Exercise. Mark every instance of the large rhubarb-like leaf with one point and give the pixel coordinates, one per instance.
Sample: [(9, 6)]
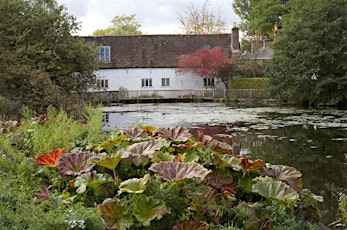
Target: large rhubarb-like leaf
[(106, 161), (43, 194), (179, 134), (190, 224), (92, 180), (135, 133), (50, 159), (115, 215), (134, 185), (147, 209), (221, 181), (177, 171), (229, 161), (140, 153), (286, 174), (270, 188), (74, 164)]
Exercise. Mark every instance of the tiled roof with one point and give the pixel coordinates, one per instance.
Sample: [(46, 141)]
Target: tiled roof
[(157, 51)]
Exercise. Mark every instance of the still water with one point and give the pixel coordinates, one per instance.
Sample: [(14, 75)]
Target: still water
[(312, 141)]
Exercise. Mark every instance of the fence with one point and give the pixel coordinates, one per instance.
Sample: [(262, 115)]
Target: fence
[(232, 95)]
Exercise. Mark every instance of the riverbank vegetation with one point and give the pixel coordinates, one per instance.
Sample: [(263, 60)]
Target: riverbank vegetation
[(60, 173)]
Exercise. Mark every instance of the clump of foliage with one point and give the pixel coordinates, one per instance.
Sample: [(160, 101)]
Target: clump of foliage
[(145, 178), (309, 67), (250, 83), (42, 63)]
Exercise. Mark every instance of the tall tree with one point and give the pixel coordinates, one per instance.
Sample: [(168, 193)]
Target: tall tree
[(121, 25), (41, 62), (260, 16), (207, 63), (202, 20), (309, 65)]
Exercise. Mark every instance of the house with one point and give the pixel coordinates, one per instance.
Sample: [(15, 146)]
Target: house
[(150, 62)]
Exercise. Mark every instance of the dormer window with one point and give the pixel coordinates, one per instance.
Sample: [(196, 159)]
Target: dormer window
[(104, 54)]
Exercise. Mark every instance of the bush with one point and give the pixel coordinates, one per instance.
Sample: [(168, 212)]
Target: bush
[(250, 83)]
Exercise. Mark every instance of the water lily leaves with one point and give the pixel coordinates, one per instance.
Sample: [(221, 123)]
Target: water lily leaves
[(74, 164), (92, 180), (115, 215), (140, 153), (274, 189), (147, 209), (177, 171), (103, 160), (179, 134), (287, 174), (134, 185), (190, 224)]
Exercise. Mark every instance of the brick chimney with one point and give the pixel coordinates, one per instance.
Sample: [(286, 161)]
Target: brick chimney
[(235, 39)]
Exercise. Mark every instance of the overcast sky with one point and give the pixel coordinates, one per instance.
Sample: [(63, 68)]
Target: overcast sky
[(155, 16)]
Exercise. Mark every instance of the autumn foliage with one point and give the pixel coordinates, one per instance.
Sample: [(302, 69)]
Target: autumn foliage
[(204, 62)]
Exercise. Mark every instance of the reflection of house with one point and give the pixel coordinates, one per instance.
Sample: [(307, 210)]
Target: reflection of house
[(149, 62)]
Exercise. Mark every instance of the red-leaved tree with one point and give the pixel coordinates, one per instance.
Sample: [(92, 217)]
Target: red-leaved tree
[(205, 63)]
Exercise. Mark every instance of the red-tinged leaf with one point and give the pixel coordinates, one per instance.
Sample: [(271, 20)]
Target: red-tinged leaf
[(140, 153), (287, 174), (177, 171), (43, 194), (50, 159), (248, 164), (179, 134), (74, 164), (190, 224), (135, 133)]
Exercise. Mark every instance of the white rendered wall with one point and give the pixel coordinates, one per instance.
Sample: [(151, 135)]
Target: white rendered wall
[(131, 79)]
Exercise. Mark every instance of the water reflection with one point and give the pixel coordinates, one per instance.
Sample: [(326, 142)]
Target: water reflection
[(312, 141)]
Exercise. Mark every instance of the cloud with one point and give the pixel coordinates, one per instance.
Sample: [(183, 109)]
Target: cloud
[(155, 16)]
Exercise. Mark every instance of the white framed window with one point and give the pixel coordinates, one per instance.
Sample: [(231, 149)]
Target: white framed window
[(209, 82), (102, 83), (146, 82), (104, 54), (106, 117), (165, 82)]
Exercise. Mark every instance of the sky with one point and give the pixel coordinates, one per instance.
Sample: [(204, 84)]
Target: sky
[(155, 16)]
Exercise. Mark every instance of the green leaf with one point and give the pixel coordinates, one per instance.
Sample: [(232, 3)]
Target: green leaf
[(270, 188), (92, 180), (287, 174), (134, 185), (103, 160), (115, 215), (177, 171), (147, 209), (229, 161)]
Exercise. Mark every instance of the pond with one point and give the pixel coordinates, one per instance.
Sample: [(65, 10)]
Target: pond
[(312, 141)]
